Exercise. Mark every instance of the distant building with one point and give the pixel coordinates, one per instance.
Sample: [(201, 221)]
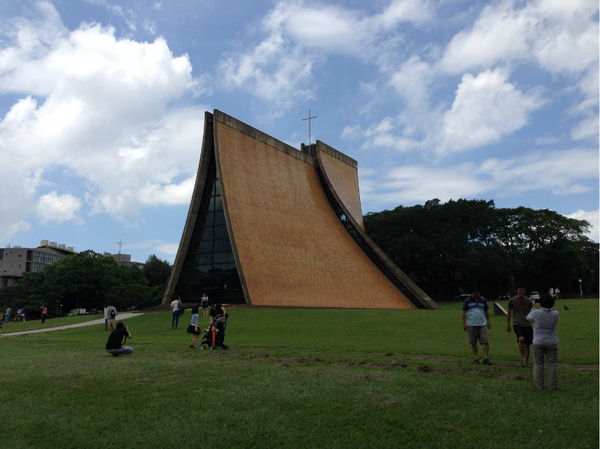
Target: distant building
[(125, 260), (16, 261)]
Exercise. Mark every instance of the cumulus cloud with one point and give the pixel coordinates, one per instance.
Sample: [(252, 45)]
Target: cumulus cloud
[(52, 207), (560, 37), (100, 107), (486, 108)]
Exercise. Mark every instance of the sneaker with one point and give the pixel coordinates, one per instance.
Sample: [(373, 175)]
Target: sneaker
[(476, 362), (487, 362)]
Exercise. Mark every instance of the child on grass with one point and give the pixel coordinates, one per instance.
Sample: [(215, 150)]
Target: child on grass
[(545, 342), (193, 327)]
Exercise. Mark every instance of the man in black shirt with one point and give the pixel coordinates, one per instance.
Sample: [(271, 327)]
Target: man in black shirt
[(114, 345), (217, 310)]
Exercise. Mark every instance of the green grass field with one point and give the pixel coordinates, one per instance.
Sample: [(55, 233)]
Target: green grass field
[(298, 378)]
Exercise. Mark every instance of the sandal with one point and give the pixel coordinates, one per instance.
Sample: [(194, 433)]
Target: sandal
[(476, 362), (524, 363), (487, 362)]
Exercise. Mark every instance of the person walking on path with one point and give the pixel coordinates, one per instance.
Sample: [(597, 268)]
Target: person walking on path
[(476, 322), (112, 314), (518, 308), (204, 305), (114, 345), (545, 342), (44, 313), (175, 306)]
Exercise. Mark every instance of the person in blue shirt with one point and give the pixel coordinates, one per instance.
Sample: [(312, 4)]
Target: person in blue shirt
[(476, 322)]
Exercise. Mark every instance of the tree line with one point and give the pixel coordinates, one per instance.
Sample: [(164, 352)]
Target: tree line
[(88, 280), (446, 248)]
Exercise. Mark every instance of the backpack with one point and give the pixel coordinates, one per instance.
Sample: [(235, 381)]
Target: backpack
[(180, 308), (113, 313)]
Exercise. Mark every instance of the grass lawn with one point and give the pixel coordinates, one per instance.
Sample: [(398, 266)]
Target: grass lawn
[(298, 378)]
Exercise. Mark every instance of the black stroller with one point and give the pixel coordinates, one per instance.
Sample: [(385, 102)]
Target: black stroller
[(214, 337)]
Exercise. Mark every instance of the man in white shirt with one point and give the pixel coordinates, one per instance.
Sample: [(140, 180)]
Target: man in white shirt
[(175, 308)]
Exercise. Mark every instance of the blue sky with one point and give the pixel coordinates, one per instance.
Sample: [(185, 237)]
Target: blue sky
[(102, 105)]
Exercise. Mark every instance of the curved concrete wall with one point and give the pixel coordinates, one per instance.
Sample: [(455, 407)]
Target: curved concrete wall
[(290, 246), (344, 179)]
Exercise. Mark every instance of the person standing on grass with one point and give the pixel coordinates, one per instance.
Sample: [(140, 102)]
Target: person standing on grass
[(7, 315), (175, 304), (216, 309), (545, 343), (106, 317), (204, 305), (476, 322), (44, 313), (518, 308), (114, 345), (112, 314), (193, 327)]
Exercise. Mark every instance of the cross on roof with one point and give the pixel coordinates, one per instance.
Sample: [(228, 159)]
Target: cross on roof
[(309, 118)]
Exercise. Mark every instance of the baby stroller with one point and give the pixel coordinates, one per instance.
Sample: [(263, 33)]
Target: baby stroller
[(214, 337)]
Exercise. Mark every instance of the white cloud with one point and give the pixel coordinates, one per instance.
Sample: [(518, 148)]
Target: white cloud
[(338, 30), (52, 207), (562, 172), (273, 71), (99, 107), (593, 218), (486, 108), (280, 68), (500, 34), (560, 36)]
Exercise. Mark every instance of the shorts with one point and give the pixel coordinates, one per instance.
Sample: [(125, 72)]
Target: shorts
[(192, 330), (524, 331), (477, 332)]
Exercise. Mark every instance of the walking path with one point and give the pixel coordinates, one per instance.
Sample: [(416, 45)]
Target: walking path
[(121, 316)]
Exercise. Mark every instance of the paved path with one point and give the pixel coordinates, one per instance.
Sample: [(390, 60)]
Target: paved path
[(120, 316)]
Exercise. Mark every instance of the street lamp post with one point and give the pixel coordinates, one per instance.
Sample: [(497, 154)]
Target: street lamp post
[(580, 290)]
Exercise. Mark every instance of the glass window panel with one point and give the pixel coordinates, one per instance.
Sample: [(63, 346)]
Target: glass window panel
[(219, 218), (205, 258), (222, 245), (207, 233), (205, 247), (206, 219), (216, 188), (203, 269), (220, 257), (230, 257), (218, 203), (220, 267), (221, 232)]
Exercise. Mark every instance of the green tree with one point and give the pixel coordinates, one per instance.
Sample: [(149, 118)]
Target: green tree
[(444, 247), (157, 271)]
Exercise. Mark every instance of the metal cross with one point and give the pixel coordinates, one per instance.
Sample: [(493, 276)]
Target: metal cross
[(309, 118)]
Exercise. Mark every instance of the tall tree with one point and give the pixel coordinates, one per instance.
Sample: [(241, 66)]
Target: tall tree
[(469, 242), (157, 271)]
